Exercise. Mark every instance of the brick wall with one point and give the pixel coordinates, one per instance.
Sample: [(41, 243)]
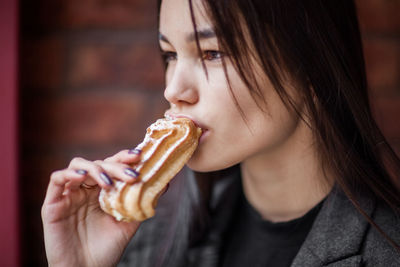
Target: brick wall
[(91, 81), (380, 25)]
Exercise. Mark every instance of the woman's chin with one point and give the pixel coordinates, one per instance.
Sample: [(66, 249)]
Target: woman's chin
[(203, 165), (197, 166)]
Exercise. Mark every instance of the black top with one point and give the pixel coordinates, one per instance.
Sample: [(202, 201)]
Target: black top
[(253, 241), (340, 235)]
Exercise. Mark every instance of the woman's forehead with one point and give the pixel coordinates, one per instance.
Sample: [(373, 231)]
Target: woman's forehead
[(178, 15)]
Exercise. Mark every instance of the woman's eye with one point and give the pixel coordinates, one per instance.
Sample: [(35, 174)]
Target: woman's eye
[(212, 55), (168, 56)]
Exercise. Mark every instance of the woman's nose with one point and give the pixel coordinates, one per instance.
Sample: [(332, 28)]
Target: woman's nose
[(181, 87)]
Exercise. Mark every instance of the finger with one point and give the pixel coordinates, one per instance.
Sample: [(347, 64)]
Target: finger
[(88, 182), (119, 171), (58, 181), (94, 171), (125, 156)]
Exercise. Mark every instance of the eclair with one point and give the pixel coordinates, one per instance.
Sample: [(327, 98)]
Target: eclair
[(167, 146)]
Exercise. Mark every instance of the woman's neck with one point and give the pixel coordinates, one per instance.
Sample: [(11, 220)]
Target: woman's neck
[(286, 183)]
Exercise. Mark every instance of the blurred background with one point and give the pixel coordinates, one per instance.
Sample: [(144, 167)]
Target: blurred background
[(89, 80)]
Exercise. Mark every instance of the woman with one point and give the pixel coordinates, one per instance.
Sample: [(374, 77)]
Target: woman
[(291, 169)]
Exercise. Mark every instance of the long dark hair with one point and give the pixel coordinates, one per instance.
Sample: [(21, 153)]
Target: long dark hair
[(318, 44)]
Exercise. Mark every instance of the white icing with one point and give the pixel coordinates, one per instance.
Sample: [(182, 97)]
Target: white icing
[(160, 124)]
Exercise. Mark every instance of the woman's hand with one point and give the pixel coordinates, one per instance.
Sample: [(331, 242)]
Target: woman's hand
[(76, 231)]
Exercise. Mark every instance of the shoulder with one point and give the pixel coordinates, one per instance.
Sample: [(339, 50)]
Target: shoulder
[(341, 233), (377, 250)]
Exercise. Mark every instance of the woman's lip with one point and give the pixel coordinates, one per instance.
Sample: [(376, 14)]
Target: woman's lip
[(203, 135), (203, 128)]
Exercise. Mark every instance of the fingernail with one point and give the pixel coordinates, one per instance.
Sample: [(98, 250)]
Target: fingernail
[(135, 151), (81, 172), (131, 172), (104, 176)]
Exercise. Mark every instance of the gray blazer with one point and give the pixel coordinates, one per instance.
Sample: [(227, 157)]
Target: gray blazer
[(340, 235)]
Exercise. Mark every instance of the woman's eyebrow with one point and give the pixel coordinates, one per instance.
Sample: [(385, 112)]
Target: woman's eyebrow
[(202, 34)]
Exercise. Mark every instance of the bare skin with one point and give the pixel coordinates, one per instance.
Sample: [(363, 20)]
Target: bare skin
[(76, 231), (285, 187)]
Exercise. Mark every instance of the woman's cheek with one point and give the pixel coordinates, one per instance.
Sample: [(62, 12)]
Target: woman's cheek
[(216, 154)]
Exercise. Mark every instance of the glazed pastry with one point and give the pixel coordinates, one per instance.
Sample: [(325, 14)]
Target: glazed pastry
[(167, 146)]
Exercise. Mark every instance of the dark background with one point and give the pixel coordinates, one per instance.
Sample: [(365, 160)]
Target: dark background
[(91, 81)]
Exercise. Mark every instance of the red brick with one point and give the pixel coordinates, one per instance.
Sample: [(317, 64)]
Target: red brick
[(89, 119), (93, 14), (42, 63), (382, 62), (379, 15), (119, 65), (387, 114)]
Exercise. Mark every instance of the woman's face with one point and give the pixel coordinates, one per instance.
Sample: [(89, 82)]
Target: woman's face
[(227, 138)]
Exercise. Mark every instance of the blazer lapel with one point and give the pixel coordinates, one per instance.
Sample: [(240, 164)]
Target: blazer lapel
[(353, 261), (337, 234)]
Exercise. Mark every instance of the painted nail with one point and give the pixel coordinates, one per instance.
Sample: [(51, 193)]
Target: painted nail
[(135, 151), (104, 176), (131, 172), (81, 172)]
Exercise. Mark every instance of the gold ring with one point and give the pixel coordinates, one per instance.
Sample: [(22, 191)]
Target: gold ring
[(87, 186)]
